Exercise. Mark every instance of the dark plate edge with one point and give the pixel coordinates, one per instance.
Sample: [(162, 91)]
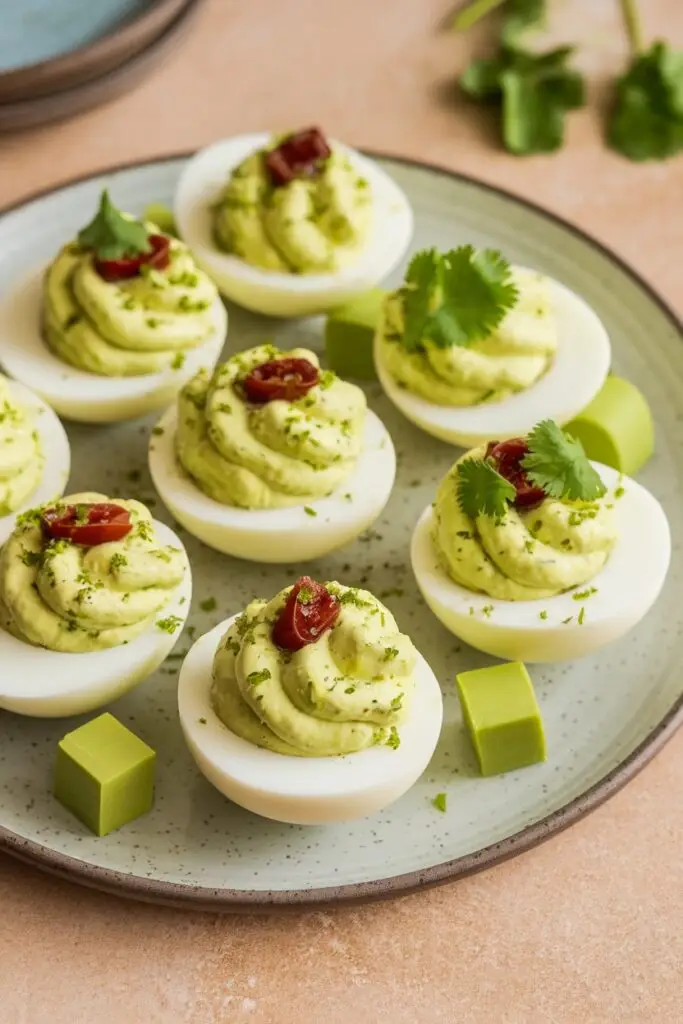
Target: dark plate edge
[(181, 895), (34, 112), (62, 71)]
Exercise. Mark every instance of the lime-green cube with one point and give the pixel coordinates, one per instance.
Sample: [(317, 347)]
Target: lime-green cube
[(349, 335), (104, 774), (503, 717)]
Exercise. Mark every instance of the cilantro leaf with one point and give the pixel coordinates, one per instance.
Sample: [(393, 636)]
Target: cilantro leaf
[(647, 118), (422, 280), (482, 490), (533, 91), (557, 463), (520, 16), (111, 235), (476, 294), (456, 297)]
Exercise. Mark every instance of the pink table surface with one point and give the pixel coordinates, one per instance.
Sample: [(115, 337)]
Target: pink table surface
[(585, 928)]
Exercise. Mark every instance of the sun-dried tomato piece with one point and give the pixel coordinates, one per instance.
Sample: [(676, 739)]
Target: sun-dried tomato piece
[(507, 457), (158, 257), (285, 379), (298, 156), (310, 610), (87, 525)]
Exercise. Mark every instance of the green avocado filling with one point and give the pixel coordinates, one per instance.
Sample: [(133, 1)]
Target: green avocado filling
[(21, 460), (126, 328), (269, 455), (74, 599), (313, 225), (336, 696)]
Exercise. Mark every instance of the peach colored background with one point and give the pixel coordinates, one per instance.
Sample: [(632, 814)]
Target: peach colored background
[(584, 929)]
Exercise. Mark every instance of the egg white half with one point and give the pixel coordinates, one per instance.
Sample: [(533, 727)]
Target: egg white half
[(578, 371), (272, 292), (51, 684), (281, 535), (54, 445), (76, 394), (303, 790), (627, 588)]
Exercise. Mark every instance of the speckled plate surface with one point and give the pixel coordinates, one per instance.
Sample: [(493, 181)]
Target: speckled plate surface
[(605, 716)]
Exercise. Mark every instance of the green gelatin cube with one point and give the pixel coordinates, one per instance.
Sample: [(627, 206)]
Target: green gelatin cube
[(104, 774), (160, 215), (349, 336), (616, 428), (503, 717)]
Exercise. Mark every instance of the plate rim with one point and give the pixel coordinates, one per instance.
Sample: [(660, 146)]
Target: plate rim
[(76, 66), (63, 104), (183, 895)]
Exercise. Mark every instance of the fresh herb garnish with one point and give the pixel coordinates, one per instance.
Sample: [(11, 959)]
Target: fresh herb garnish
[(439, 802), (254, 678), (482, 490), (455, 298), (170, 624), (557, 463), (310, 511), (519, 17), (393, 740), (532, 91), (112, 236), (647, 117)]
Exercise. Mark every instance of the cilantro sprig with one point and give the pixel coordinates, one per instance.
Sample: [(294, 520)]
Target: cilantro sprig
[(555, 462), (482, 491), (646, 121), (112, 236), (533, 93), (455, 298)]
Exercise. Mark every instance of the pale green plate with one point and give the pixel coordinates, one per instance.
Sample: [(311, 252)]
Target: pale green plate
[(605, 716)]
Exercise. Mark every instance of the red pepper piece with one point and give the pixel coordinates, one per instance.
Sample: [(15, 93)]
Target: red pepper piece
[(507, 457), (309, 612), (285, 379), (87, 525), (157, 257), (298, 156)]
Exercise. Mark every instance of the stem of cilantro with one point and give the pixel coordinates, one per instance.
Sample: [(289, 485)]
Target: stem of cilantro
[(473, 12), (634, 28)]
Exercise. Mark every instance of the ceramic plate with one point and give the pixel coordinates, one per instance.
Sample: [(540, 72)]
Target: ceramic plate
[(89, 81), (605, 715)]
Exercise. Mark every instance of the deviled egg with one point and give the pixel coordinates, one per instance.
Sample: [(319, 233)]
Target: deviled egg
[(271, 459), (93, 593), (533, 553), (34, 453), (312, 707), (294, 225), (471, 348), (115, 325)]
